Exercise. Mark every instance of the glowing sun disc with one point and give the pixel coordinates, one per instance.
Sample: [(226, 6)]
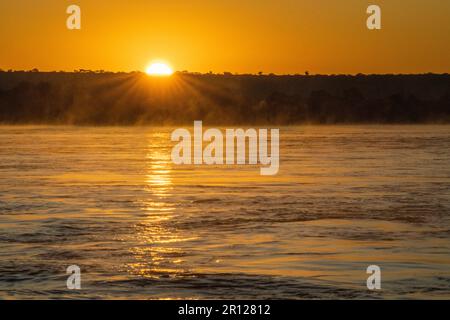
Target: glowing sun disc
[(159, 69)]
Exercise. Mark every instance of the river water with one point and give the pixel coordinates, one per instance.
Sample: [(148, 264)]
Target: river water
[(111, 201)]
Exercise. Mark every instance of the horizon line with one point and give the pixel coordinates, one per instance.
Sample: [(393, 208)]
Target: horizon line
[(224, 73)]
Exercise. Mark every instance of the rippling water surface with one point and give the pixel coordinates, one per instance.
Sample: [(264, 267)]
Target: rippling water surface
[(110, 201)]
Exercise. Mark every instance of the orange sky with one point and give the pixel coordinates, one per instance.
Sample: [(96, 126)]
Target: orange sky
[(242, 36)]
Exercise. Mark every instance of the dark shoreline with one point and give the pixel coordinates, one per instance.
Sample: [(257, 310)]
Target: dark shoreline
[(104, 98)]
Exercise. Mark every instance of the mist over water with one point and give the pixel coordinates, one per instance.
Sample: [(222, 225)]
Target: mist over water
[(110, 201), (90, 98)]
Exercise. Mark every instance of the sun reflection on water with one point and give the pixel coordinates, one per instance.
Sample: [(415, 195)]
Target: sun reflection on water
[(156, 252)]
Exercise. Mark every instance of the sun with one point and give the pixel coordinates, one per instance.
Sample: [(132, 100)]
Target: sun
[(160, 69)]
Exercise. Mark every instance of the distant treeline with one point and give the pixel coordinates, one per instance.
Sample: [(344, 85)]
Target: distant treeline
[(103, 98)]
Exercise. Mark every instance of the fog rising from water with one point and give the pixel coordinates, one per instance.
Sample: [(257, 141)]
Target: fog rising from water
[(89, 98)]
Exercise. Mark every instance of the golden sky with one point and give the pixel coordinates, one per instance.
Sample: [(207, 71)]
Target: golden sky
[(242, 36)]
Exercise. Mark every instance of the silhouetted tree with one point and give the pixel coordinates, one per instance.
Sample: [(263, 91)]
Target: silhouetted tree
[(87, 97)]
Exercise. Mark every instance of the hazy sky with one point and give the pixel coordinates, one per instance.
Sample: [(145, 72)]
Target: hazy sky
[(280, 36)]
